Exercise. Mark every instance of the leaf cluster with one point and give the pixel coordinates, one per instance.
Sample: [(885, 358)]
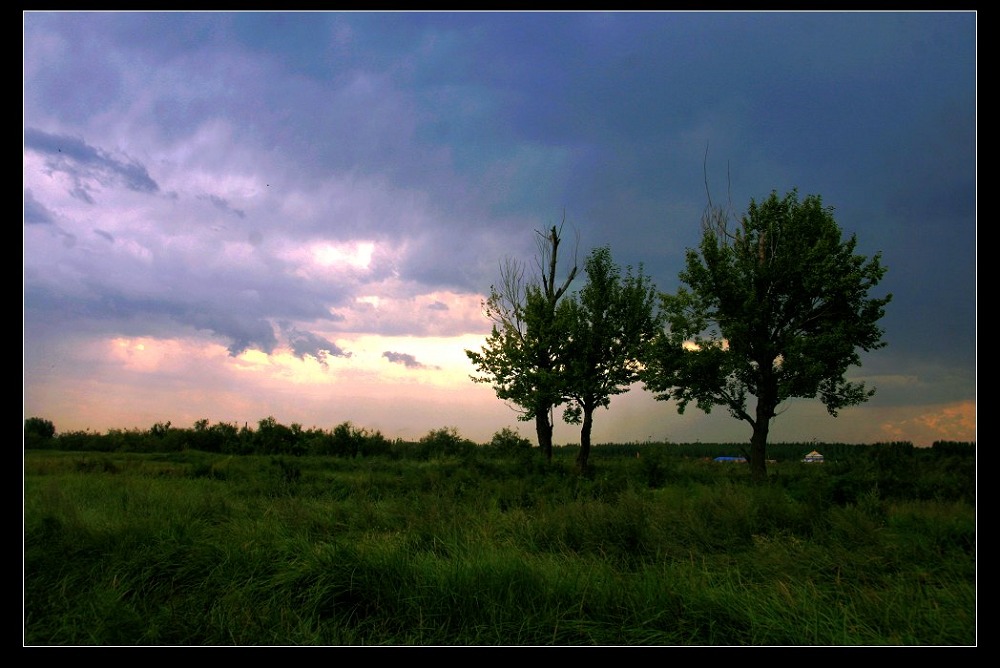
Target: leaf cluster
[(612, 322), (777, 308), (578, 351), (521, 357)]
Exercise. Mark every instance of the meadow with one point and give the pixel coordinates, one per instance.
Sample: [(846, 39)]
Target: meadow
[(461, 544)]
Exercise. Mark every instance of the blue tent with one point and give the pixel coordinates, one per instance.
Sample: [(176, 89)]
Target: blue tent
[(731, 459)]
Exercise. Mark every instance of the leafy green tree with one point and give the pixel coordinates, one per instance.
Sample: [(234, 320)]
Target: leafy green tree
[(613, 320), (38, 433), (346, 440), (203, 437), (520, 357), (225, 438), (272, 437), (777, 309), (160, 429), (161, 437)]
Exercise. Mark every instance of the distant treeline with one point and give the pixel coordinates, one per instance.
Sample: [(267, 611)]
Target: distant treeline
[(270, 437)]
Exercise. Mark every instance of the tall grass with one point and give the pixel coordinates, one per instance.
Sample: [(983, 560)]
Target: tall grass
[(194, 548)]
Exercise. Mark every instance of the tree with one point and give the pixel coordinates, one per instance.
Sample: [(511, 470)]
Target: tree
[(38, 432), (274, 438), (778, 309), (612, 322), (520, 357)]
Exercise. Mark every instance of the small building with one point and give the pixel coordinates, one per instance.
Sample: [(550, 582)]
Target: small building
[(813, 458)]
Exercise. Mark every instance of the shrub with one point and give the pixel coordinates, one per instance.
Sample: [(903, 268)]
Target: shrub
[(443, 442), (508, 441), (38, 433), (655, 467), (346, 440)]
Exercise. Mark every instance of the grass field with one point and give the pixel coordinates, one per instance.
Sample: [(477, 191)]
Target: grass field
[(490, 548)]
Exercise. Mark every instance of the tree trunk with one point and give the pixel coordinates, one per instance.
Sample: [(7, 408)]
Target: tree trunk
[(758, 442), (758, 452), (543, 429), (584, 455)]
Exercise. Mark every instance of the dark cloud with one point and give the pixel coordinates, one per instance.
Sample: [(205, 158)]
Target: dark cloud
[(35, 212), (248, 327), (407, 360), (223, 204), (85, 163), (243, 327), (448, 139), (306, 343), (91, 306), (243, 333)]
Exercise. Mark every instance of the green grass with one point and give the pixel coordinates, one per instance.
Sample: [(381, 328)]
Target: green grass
[(193, 548)]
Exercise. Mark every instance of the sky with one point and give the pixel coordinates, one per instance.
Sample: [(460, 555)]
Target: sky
[(235, 216)]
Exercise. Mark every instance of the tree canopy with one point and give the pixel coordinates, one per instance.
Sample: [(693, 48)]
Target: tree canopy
[(520, 358), (778, 308), (611, 322)]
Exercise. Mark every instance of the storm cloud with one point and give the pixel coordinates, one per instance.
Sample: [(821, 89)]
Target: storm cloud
[(217, 201)]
